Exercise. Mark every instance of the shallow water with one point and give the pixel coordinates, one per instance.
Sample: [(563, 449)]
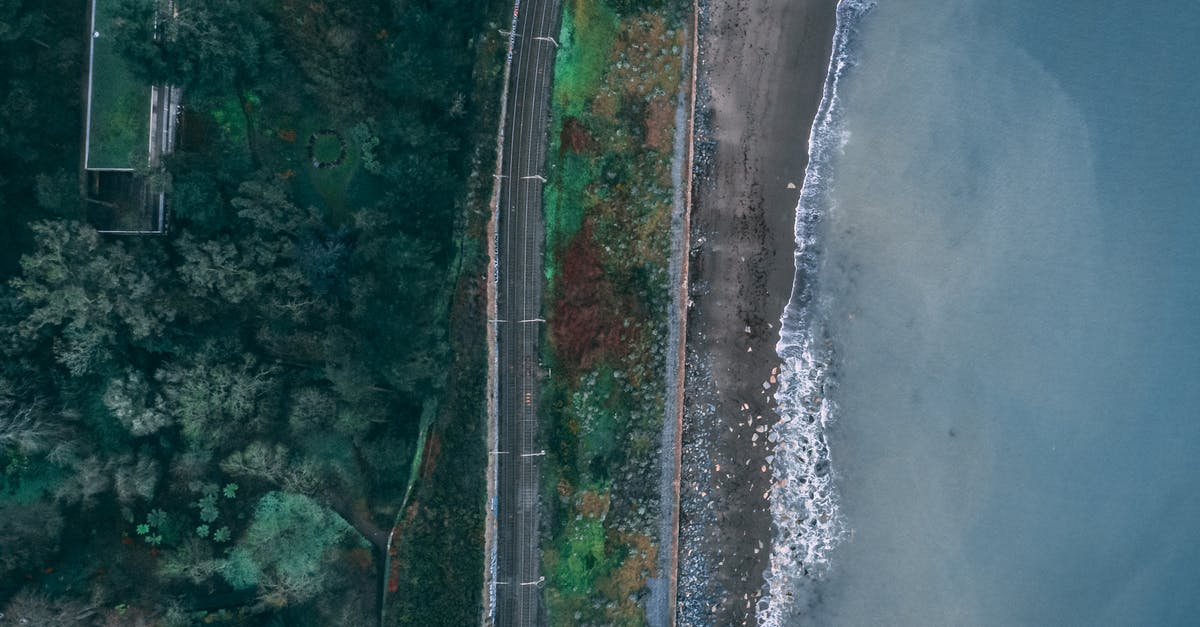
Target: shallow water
[(1008, 270)]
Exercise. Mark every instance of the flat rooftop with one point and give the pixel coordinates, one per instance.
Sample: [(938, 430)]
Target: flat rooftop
[(119, 105)]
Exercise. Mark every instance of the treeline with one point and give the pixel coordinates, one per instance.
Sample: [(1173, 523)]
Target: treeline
[(218, 425)]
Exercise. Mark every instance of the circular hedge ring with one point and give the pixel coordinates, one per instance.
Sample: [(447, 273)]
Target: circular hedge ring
[(326, 149)]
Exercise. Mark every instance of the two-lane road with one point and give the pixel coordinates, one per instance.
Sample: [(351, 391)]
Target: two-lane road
[(520, 235)]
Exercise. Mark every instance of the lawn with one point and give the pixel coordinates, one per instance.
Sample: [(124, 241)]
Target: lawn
[(120, 104)]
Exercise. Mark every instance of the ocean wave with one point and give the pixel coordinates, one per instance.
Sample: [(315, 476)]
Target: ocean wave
[(804, 504)]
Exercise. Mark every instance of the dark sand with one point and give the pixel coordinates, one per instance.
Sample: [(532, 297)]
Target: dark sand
[(762, 68)]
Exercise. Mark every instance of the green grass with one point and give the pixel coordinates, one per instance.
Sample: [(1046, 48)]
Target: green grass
[(595, 404), (120, 105), (327, 148), (339, 190), (583, 558), (588, 31), (565, 202)]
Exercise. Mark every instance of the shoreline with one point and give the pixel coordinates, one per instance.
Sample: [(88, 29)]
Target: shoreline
[(763, 65)]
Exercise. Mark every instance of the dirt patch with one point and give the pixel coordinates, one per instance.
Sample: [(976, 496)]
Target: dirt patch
[(575, 137), (588, 320), (433, 450), (660, 124), (630, 577), (594, 504)]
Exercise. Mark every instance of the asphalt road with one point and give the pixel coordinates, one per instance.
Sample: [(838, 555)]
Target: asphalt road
[(521, 233)]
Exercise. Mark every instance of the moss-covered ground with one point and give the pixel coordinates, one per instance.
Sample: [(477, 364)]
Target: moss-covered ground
[(120, 104)]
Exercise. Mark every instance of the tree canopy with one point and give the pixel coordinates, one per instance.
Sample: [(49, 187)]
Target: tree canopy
[(219, 422)]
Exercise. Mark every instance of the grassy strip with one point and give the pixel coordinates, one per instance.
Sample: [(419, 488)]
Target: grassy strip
[(608, 208)]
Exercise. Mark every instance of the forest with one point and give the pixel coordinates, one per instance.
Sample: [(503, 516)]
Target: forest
[(225, 425)]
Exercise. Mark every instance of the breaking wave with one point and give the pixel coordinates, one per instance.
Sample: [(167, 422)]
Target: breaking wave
[(804, 504)]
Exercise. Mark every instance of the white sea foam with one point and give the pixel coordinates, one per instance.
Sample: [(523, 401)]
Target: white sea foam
[(804, 503)]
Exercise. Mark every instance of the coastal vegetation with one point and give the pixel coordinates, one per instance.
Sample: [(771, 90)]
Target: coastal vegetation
[(219, 426), (608, 213)]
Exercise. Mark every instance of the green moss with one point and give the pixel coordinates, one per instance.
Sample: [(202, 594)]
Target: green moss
[(588, 31), (565, 201), (120, 104), (328, 148), (583, 558)]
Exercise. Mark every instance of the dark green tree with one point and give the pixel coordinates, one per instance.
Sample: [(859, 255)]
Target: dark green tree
[(284, 550), (89, 297), (209, 48), (29, 534)]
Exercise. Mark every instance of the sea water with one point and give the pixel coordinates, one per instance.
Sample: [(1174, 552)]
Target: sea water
[(991, 408)]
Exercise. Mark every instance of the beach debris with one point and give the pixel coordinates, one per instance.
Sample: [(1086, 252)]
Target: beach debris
[(749, 349), (766, 385), (791, 185), (745, 406), (747, 329)]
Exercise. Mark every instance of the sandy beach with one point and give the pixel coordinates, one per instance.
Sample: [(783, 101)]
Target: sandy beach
[(762, 67)]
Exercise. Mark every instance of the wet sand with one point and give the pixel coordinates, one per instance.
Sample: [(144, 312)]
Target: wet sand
[(762, 67)]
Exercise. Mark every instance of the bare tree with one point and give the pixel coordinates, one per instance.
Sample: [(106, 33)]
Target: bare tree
[(34, 608), (22, 426)]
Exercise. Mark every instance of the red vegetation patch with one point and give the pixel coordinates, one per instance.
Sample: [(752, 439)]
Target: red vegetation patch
[(575, 137), (433, 450), (287, 134), (589, 315), (360, 558), (398, 531)]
